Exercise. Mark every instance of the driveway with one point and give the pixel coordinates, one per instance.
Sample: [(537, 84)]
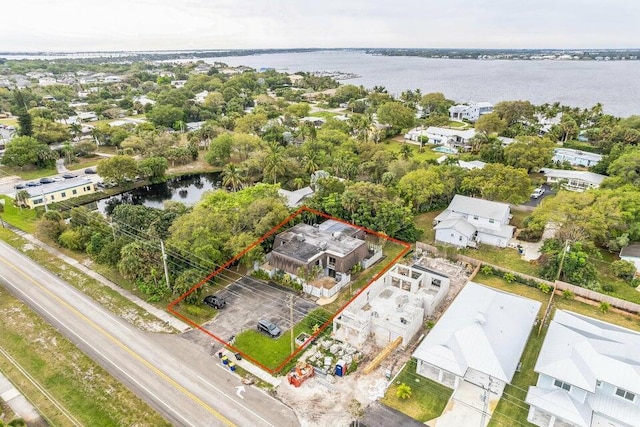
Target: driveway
[(467, 406), (531, 250), (248, 301), (548, 191)]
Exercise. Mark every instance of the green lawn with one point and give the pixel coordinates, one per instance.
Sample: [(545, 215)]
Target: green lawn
[(454, 124), (506, 257), (82, 163), (323, 114), (27, 174), (424, 222), (22, 218), (518, 217), (83, 387), (394, 146), (272, 352), (428, 398)]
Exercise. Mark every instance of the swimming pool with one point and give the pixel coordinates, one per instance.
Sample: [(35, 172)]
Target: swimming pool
[(443, 149)]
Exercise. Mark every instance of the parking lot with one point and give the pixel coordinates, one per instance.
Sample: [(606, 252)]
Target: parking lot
[(248, 301)]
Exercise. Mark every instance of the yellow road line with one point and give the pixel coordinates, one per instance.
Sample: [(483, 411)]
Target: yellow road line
[(122, 346)]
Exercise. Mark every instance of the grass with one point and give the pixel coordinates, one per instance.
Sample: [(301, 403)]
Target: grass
[(519, 216), (506, 257), (458, 125), (82, 162), (428, 398), (424, 222), (102, 294), (13, 121), (394, 145), (83, 387), (24, 219), (27, 173), (323, 114)]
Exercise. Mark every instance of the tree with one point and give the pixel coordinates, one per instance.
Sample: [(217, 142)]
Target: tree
[(233, 177), (624, 269), (576, 267), (251, 123), (153, 168), (49, 132), (421, 188), (498, 182), (626, 168), (118, 169), (50, 226), (21, 198), (491, 123), (515, 111), (274, 162), (529, 152), (25, 123), (76, 129), (165, 115), (187, 280), (403, 392), (219, 151), (396, 115), (406, 152), (299, 110), (435, 103), (27, 151)]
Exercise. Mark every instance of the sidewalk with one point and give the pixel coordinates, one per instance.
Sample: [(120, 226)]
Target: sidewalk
[(18, 403), (160, 314), (252, 369)]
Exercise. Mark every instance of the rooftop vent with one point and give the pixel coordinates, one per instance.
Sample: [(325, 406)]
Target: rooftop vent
[(300, 237), (480, 319)]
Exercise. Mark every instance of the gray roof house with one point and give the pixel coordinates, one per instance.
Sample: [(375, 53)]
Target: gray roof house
[(573, 180), (479, 339), (468, 221), (576, 157), (588, 375), (295, 198), (631, 253)]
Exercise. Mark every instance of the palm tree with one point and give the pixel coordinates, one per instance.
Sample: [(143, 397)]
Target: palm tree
[(75, 129), (274, 162), (406, 152), (233, 176), (21, 198), (403, 391), (298, 183), (311, 162)]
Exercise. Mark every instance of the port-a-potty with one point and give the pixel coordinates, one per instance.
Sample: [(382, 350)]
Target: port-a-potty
[(341, 368)]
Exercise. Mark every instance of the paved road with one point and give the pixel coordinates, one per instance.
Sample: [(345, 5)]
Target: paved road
[(185, 384)]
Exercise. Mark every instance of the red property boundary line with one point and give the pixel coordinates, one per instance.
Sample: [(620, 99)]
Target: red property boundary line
[(170, 307)]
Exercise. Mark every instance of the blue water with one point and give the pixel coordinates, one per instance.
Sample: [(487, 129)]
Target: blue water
[(446, 150)]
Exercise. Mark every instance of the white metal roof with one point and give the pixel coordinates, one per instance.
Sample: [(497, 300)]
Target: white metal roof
[(590, 177), (483, 208), (483, 329), (558, 402), (465, 134), (568, 152), (460, 225), (580, 350)]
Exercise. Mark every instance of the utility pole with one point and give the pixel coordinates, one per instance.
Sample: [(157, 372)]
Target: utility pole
[(164, 264), (291, 321), (565, 249), (486, 393)]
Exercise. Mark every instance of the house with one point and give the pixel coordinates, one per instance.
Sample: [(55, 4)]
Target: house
[(315, 121), (47, 81), (393, 306), (112, 79), (468, 221), (178, 84), (87, 116), (295, 198), (59, 192), (479, 339), (453, 138), (471, 112), (588, 375), (576, 157), (201, 96), (193, 126), (573, 180), (143, 100), (631, 253)]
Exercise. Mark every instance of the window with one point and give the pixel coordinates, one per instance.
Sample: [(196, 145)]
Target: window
[(562, 385), (625, 394), (475, 217), (332, 260), (53, 197), (598, 383), (74, 191), (64, 194), (37, 201), (491, 221)]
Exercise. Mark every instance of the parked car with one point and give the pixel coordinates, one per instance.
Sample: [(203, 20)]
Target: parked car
[(46, 180), (33, 184), (68, 175), (90, 171), (19, 186), (215, 301), (269, 328), (537, 192)]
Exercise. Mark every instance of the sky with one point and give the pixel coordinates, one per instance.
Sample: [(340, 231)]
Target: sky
[(95, 25)]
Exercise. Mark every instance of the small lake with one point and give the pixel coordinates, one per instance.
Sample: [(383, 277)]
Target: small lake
[(187, 189)]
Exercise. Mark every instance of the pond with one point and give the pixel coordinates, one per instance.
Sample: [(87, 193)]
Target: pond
[(187, 189)]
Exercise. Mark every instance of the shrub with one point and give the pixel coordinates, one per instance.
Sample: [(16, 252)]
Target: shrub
[(608, 288), (487, 269), (623, 269), (509, 277), (544, 288), (260, 274), (403, 392), (567, 294), (604, 306)]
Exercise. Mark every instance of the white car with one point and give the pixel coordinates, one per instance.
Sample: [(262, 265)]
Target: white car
[(537, 192)]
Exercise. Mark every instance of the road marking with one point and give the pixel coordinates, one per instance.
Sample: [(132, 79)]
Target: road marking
[(157, 371), (239, 391)]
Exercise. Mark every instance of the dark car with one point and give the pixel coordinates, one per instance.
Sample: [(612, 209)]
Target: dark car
[(90, 171), (46, 180), (68, 175), (215, 301), (269, 328), (33, 184), (19, 186)]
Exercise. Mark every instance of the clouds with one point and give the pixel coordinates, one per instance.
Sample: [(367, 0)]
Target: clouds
[(190, 24)]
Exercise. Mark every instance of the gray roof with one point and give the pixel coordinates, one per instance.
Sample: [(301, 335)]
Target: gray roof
[(305, 241), (460, 225), (632, 250), (483, 208), (294, 198), (483, 329), (58, 186), (590, 177), (568, 152), (580, 350)]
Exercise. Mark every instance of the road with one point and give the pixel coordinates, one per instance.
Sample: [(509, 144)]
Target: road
[(182, 382)]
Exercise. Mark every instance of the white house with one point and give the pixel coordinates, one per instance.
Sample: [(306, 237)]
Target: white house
[(576, 157), (588, 375), (471, 112), (573, 180), (112, 79), (479, 339), (631, 253), (468, 221), (393, 306), (454, 138), (295, 198), (201, 96), (178, 83), (87, 116), (47, 81)]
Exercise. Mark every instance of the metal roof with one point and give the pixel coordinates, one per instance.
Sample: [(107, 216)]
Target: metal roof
[(482, 208), (483, 329)]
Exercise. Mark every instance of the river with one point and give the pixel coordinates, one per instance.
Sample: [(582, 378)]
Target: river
[(186, 189), (615, 84)]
